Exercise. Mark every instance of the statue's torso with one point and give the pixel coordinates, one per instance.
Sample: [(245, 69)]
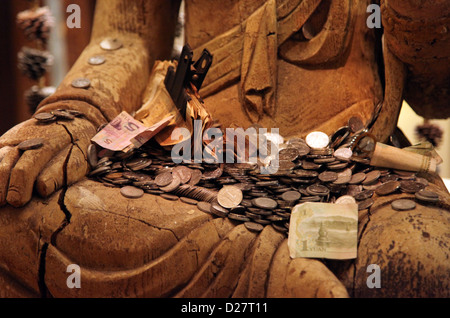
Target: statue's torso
[(310, 94)]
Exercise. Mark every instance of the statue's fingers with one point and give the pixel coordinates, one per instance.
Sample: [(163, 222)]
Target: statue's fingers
[(62, 170), (8, 158), (25, 172)]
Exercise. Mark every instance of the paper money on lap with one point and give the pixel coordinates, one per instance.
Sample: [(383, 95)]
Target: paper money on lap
[(323, 230)]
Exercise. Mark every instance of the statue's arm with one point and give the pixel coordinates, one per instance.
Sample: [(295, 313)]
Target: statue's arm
[(145, 28), (417, 33)]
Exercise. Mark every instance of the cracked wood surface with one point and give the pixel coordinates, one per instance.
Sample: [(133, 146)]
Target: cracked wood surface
[(151, 247)]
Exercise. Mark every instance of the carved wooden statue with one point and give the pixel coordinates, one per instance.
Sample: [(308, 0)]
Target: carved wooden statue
[(299, 65)]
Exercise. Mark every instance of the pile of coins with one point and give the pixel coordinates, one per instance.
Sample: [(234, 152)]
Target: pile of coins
[(59, 114), (241, 193)]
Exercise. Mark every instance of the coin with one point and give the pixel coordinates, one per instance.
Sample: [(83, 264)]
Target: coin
[(364, 195), (62, 114), (96, 60), (403, 205), (111, 44), (365, 204), (343, 177), (410, 186), (357, 178), (44, 117), (30, 144), (265, 203), (355, 124), (317, 139), (172, 185), (345, 153), (427, 196), (169, 197), (188, 201), (229, 196), (131, 192), (184, 173), (81, 83), (328, 176), (163, 179), (253, 226), (218, 210), (388, 188), (238, 217), (196, 176), (345, 199), (291, 196), (372, 177), (204, 206), (317, 189)]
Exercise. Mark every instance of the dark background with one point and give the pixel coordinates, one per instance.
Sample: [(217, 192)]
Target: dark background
[(13, 84)]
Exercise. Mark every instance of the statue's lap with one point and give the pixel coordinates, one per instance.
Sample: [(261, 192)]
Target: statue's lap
[(153, 247)]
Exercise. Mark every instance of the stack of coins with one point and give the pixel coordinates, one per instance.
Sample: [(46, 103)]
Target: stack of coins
[(55, 115), (241, 193)]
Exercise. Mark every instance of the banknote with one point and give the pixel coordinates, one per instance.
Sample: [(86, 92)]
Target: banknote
[(323, 230), (124, 133)]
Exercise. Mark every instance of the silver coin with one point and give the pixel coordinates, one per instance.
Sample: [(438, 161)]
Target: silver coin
[(96, 60), (81, 83), (111, 44), (317, 139)]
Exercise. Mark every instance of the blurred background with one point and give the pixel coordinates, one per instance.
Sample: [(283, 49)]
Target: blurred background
[(66, 44)]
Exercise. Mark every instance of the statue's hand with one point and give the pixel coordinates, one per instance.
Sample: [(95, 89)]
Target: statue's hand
[(61, 159)]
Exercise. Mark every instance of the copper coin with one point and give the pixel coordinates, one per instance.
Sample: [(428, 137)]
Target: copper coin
[(367, 203), (306, 173), (344, 177), (169, 197), (372, 177), (204, 206), (30, 144), (131, 192), (355, 124), (427, 196), (410, 186), (218, 210), (387, 188), (288, 154), (238, 217), (44, 117), (188, 201), (265, 203), (364, 195), (163, 179), (62, 114), (291, 196), (229, 196), (253, 226), (172, 185), (357, 178), (196, 176), (328, 176), (403, 205), (211, 175), (184, 173), (317, 189)]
